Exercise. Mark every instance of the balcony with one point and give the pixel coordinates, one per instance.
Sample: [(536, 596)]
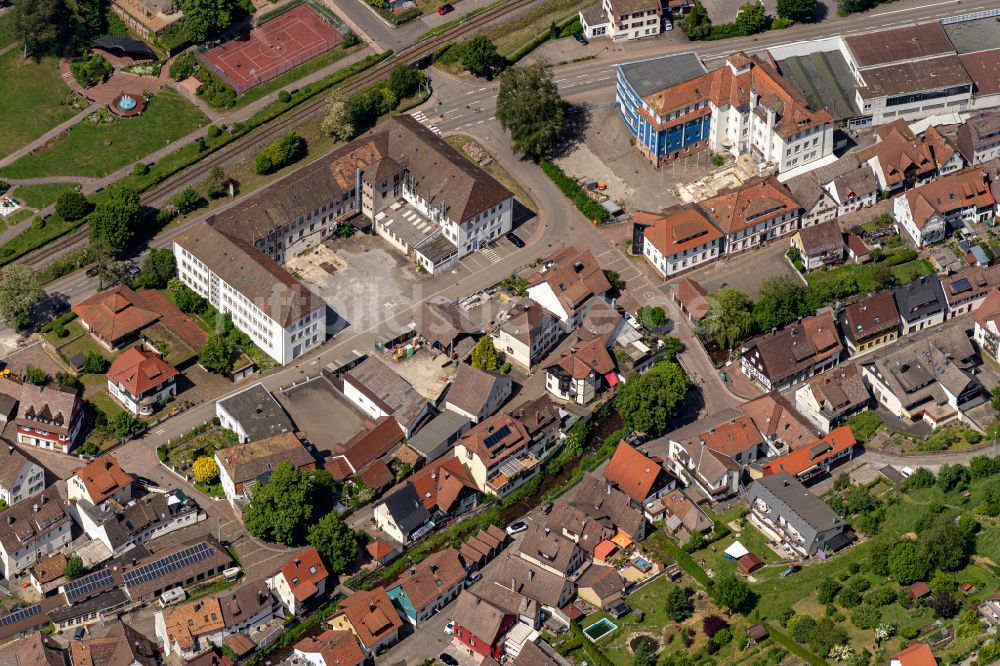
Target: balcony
[(510, 470)]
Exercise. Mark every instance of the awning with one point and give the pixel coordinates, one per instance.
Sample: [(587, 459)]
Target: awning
[(622, 540), (612, 379), (736, 551)]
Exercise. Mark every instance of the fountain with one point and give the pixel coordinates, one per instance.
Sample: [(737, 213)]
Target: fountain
[(127, 106)]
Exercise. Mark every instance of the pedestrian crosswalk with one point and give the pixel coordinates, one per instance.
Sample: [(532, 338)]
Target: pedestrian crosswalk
[(492, 255), (426, 122)]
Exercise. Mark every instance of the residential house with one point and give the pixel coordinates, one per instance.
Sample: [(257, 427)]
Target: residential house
[(117, 316), (713, 459), (150, 576), (121, 526), (979, 138), (507, 449), (122, 646), (986, 332), (100, 480), (870, 322), (196, 626), (967, 289), (640, 477), (372, 618), (990, 609), (364, 455), (476, 394), (796, 352), (48, 573), (31, 529), (300, 582), (550, 550), (383, 552), (679, 239), (601, 586), (854, 189), (438, 436), (930, 379), (623, 21), (581, 372), (552, 591), (378, 391), (815, 202), (920, 304), (678, 512), (816, 459), (243, 466), (526, 333), (782, 426), (915, 654), (597, 512), (140, 380), (567, 283), (857, 251), (480, 626), (49, 417), (402, 515), (786, 512), (819, 245), (902, 159), (927, 211), (330, 648), (253, 414), (20, 477), (833, 396), (673, 106), (757, 212), (37, 650), (428, 586), (445, 487)]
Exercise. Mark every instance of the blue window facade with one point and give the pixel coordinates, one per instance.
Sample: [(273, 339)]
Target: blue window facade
[(656, 142)]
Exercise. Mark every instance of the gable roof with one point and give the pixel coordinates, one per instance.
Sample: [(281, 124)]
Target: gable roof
[(103, 477), (795, 347), (123, 646), (406, 509), (139, 371), (254, 460), (542, 544), (693, 298), (916, 654), (822, 237), (842, 388), (732, 437), (530, 580), (873, 314), (806, 457), (677, 229), (471, 388), (635, 474), (383, 386), (304, 573), (371, 444), (53, 406), (479, 617), (758, 200), (432, 577), (338, 648), (899, 150), (440, 483), (573, 275), (948, 193), (776, 418), (579, 362), (372, 615)]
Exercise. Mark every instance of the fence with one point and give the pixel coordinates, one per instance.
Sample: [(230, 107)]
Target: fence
[(271, 73)]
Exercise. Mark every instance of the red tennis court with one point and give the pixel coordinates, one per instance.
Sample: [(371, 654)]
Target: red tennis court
[(272, 48)]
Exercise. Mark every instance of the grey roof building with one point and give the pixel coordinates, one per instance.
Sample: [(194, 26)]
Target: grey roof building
[(439, 435), (786, 511), (380, 391), (655, 74), (405, 509), (920, 303), (477, 394), (253, 414)]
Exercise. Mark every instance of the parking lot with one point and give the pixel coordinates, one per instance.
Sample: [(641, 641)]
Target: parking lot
[(747, 271)]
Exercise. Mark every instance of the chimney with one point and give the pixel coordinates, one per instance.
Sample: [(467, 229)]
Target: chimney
[(35, 507), (107, 464), (547, 530)]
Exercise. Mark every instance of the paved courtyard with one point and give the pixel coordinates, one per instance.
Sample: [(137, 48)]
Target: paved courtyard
[(746, 271)]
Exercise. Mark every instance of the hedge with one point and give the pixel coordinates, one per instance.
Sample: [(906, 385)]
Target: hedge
[(687, 563), (574, 192), (61, 321)]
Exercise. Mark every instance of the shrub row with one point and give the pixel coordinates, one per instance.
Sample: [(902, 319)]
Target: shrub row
[(565, 29), (56, 323), (574, 192)]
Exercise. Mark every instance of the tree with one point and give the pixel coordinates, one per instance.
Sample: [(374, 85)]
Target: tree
[(944, 546), (94, 363), (206, 469), (337, 117), (677, 605), (643, 655), (203, 17), (751, 18), (944, 604), (990, 505), (218, 184), (185, 298), (282, 509), (530, 109), (779, 302), (921, 478), (797, 10), (336, 542), (37, 23), (729, 319), (72, 206), (733, 593), (404, 81), (35, 375), (88, 18), (952, 477), (996, 400), (906, 564), (187, 200), (279, 153), (827, 591), (711, 625), (478, 55), (19, 292), (648, 401), (865, 616), (69, 381), (484, 355), (217, 354), (124, 424), (114, 220), (697, 24), (74, 568), (158, 267)]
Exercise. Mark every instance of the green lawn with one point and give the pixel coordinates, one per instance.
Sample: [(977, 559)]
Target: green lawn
[(105, 403), (30, 95), (912, 270), (85, 153), (31, 238), (81, 345), (8, 35), (182, 455), (40, 196), (866, 275)]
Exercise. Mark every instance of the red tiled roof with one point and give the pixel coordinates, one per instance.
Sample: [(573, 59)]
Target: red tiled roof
[(633, 472), (585, 359), (379, 549), (140, 371), (801, 459), (692, 297), (440, 483), (760, 200), (750, 562), (376, 475), (103, 477), (951, 192), (338, 648), (121, 312), (679, 229), (304, 573), (917, 654), (734, 437), (372, 615)]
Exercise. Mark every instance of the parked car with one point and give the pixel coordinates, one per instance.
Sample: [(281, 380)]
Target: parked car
[(578, 36), (445, 9), (545, 508), (472, 578), (92, 271), (147, 483), (447, 659), (450, 627), (668, 25), (514, 528), (515, 240), (906, 472), (78, 634), (132, 271)]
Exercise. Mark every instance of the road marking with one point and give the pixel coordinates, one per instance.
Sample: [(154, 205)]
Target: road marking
[(896, 11), (491, 254)]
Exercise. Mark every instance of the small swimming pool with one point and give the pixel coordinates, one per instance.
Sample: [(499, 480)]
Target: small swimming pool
[(600, 629), (642, 564)]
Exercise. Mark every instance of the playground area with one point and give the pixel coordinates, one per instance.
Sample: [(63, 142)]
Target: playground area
[(272, 48)]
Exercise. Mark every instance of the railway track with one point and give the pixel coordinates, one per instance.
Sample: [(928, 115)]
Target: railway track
[(254, 141)]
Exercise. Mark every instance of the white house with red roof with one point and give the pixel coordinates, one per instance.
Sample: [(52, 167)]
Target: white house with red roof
[(581, 372), (642, 478), (100, 480), (49, 417), (141, 379), (987, 328), (300, 581), (679, 239), (926, 211), (567, 283)]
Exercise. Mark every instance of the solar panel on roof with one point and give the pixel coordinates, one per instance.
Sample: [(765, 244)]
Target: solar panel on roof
[(960, 285), (169, 564), (497, 436), (20, 614), (82, 587)]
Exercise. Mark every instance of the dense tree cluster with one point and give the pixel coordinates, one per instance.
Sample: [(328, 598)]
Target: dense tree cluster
[(647, 402), (530, 109)]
